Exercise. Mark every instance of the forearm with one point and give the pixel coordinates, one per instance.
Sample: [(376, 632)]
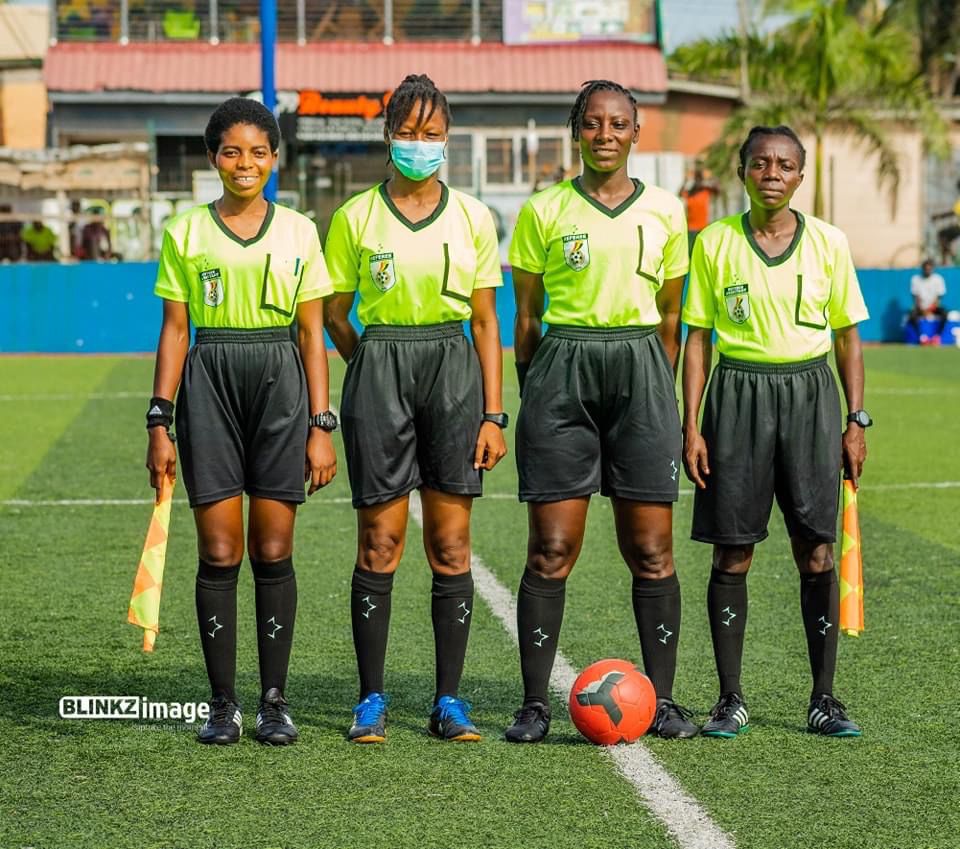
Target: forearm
[(527, 332), (697, 357), (171, 355), (336, 319), (313, 354), (849, 355), (669, 331), (486, 340)]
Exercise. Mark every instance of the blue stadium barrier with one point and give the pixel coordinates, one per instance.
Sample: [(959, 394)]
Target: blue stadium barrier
[(110, 307)]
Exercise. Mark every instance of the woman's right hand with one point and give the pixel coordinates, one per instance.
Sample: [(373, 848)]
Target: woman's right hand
[(161, 458), (695, 461)]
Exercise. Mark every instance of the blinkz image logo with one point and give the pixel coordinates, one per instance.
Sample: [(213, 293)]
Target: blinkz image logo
[(137, 708)]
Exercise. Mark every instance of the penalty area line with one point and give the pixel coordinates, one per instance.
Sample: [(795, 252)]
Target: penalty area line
[(686, 821)]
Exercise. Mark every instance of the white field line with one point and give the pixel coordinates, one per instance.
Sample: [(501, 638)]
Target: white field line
[(688, 823), (496, 496)]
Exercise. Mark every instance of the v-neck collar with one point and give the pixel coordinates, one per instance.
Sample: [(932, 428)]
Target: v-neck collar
[(771, 261), (638, 188), (415, 225), (233, 236)]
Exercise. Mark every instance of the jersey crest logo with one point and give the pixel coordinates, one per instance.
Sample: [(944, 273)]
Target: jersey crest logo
[(576, 251), (382, 271), (738, 302), (212, 287)]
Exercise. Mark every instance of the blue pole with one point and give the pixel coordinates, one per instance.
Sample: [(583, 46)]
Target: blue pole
[(268, 82)]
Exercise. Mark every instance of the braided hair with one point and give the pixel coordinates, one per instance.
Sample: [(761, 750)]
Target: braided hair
[(782, 130), (575, 121), (240, 110), (415, 87)]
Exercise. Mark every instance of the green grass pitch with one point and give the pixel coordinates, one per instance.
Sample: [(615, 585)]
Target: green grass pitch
[(72, 429)]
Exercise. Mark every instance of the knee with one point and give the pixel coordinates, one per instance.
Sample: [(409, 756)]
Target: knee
[(380, 550), (815, 558), (449, 555), (221, 550), (651, 559), (552, 557), (732, 559), (270, 550)]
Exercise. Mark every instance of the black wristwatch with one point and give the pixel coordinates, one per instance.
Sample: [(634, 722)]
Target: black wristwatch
[(859, 417), (501, 420), (327, 420)]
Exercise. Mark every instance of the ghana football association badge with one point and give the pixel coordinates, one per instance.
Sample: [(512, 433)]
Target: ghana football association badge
[(212, 287), (382, 271), (738, 302), (576, 251)]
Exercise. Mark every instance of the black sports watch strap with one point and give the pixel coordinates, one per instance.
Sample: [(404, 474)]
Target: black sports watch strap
[(501, 420), (859, 417), (327, 420)]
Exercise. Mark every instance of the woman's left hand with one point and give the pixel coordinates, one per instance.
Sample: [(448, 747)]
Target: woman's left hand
[(854, 452), (491, 448), (321, 462)]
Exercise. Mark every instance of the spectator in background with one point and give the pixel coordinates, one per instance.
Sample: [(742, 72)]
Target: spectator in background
[(95, 240), (11, 248), (75, 229), (927, 289), (696, 194), (40, 242)]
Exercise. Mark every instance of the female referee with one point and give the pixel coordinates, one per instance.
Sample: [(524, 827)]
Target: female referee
[(775, 286), (421, 409), (598, 409), (250, 407)]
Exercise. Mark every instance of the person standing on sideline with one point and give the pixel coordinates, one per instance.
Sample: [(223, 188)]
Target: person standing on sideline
[(775, 286), (422, 409), (598, 402), (252, 410), (927, 288)]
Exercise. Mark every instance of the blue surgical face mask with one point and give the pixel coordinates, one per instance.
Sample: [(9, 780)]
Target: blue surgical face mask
[(417, 160)]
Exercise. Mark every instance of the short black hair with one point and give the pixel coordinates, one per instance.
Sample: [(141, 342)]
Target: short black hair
[(589, 88), (413, 88), (781, 130), (240, 110)]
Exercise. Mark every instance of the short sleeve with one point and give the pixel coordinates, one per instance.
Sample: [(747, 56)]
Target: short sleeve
[(941, 286), (485, 243), (342, 256), (847, 306), (172, 282), (676, 253), (915, 285), (528, 247), (316, 279), (699, 305)]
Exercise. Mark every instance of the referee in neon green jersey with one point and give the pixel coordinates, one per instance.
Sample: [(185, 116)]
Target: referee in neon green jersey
[(776, 287), (421, 409), (598, 409), (240, 270)]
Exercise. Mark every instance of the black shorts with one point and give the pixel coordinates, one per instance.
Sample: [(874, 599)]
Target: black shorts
[(771, 430), (411, 412), (599, 412), (241, 416)]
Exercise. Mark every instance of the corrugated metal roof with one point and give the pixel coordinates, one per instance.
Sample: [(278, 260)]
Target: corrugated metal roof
[(351, 67)]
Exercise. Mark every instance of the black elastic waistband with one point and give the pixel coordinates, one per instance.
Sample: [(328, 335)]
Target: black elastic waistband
[(413, 332), (205, 335), (774, 368), (599, 334)]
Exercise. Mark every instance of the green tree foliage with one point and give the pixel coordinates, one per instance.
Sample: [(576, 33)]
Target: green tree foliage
[(847, 67)]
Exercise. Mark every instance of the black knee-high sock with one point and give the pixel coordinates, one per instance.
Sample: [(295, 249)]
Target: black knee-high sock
[(451, 608), (727, 608), (217, 617), (539, 617), (820, 607), (656, 607), (276, 593), (370, 596)]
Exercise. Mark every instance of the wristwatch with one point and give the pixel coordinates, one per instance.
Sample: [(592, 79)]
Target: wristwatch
[(859, 417), (501, 420), (327, 420)]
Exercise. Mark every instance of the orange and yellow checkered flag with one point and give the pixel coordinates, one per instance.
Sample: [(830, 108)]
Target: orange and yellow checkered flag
[(851, 565), (145, 602)]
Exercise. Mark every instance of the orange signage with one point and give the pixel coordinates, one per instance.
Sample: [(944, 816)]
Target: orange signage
[(363, 106)]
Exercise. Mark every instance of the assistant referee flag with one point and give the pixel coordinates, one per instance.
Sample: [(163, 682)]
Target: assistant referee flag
[(145, 602)]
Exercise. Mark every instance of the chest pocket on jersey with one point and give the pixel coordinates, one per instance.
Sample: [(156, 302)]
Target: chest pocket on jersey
[(281, 284), (813, 295), (459, 274), (650, 258)]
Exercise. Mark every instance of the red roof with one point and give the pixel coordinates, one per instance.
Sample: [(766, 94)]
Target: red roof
[(351, 67)]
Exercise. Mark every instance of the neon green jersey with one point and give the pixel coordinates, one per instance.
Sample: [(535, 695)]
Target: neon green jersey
[(243, 283), (601, 267), (413, 274), (772, 310)]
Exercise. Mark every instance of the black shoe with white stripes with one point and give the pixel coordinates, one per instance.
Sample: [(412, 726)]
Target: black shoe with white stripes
[(728, 718), (274, 725), (224, 723), (828, 717)]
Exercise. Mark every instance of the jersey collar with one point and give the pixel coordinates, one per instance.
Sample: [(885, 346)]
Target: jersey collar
[(415, 225), (233, 236), (771, 261), (638, 188)]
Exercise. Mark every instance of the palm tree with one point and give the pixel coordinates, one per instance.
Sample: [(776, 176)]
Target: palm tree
[(845, 66)]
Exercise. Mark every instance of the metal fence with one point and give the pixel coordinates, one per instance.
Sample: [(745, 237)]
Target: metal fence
[(299, 21)]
